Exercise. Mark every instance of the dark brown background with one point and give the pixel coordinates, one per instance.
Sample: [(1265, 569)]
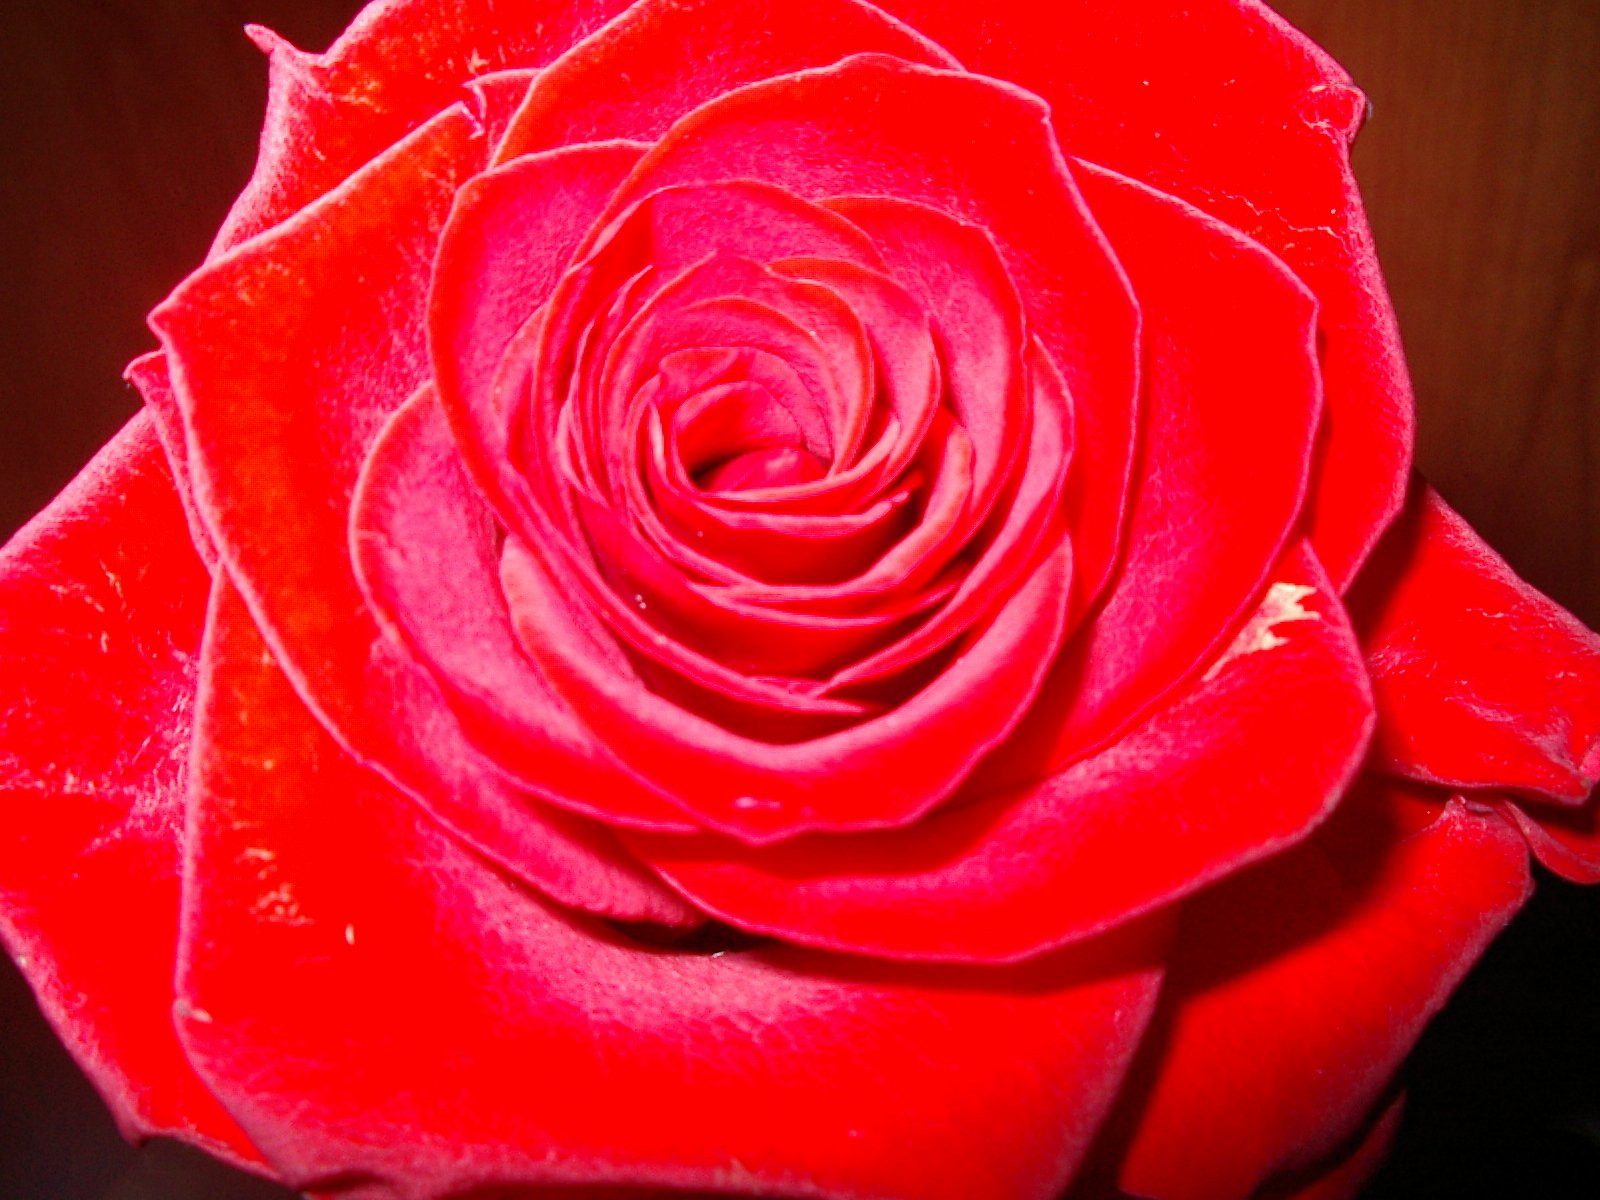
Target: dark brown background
[(126, 127)]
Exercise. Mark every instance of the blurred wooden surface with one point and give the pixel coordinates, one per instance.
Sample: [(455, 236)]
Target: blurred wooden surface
[(1481, 169), (128, 125)]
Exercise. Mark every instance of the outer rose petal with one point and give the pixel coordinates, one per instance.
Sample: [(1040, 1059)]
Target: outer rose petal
[(286, 364), (1223, 104), (515, 1046), (679, 54), (1232, 400), (1299, 986), (1566, 841), (101, 601), (1348, 1172), (1239, 766), (399, 64), (1481, 681)]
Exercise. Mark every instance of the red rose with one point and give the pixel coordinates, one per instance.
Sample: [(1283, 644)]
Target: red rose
[(775, 598)]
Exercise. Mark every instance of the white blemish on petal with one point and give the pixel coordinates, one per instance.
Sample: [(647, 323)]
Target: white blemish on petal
[(1282, 606), (185, 1011), (279, 906)]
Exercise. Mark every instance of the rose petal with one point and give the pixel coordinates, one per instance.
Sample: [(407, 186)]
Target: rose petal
[(286, 361), (426, 552), (285, 377), (1299, 986), (883, 771), (1481, 681), (150, 375), (1228, 107), (1351, 1169), (513, 1046), (1565, 840), (1232, 402), (972, 148), (1241, 765), (398, 65), (676, 55), (101, 601), (512, 232)]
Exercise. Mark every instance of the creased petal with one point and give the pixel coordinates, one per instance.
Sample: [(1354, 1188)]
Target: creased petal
[(679, 54), (398, 65), (975, 149)]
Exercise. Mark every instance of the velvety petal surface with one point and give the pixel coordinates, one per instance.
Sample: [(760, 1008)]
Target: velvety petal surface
[(1224, 105), (679, 54), (510, 1045), (1243, 763), (1564, 839), (1232, 401), (1300, 985), (1481, 681), (975, 149), (398, 65), (285, 378), (426, 551), (101, 604)]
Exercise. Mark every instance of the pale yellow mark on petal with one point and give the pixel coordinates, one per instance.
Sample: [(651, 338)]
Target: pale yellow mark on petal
[(1283, 605)]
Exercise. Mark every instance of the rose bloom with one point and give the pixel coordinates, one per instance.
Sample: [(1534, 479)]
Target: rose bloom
[(785, 599)]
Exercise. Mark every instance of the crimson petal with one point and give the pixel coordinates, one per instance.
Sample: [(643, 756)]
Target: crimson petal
[(1241, 765), (1225, 105), (516, 1046), (1481, 681), (676, 55), (101, 604), (426, 552), (884, 771), (398, 65), (285, 378), (1299, 986), (1232, 400), (975, 149)]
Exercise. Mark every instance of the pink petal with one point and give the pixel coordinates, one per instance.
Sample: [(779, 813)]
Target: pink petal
[(1226, 106), (1242, 765), (1300, 986), (101, 603), (384, 1012)]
